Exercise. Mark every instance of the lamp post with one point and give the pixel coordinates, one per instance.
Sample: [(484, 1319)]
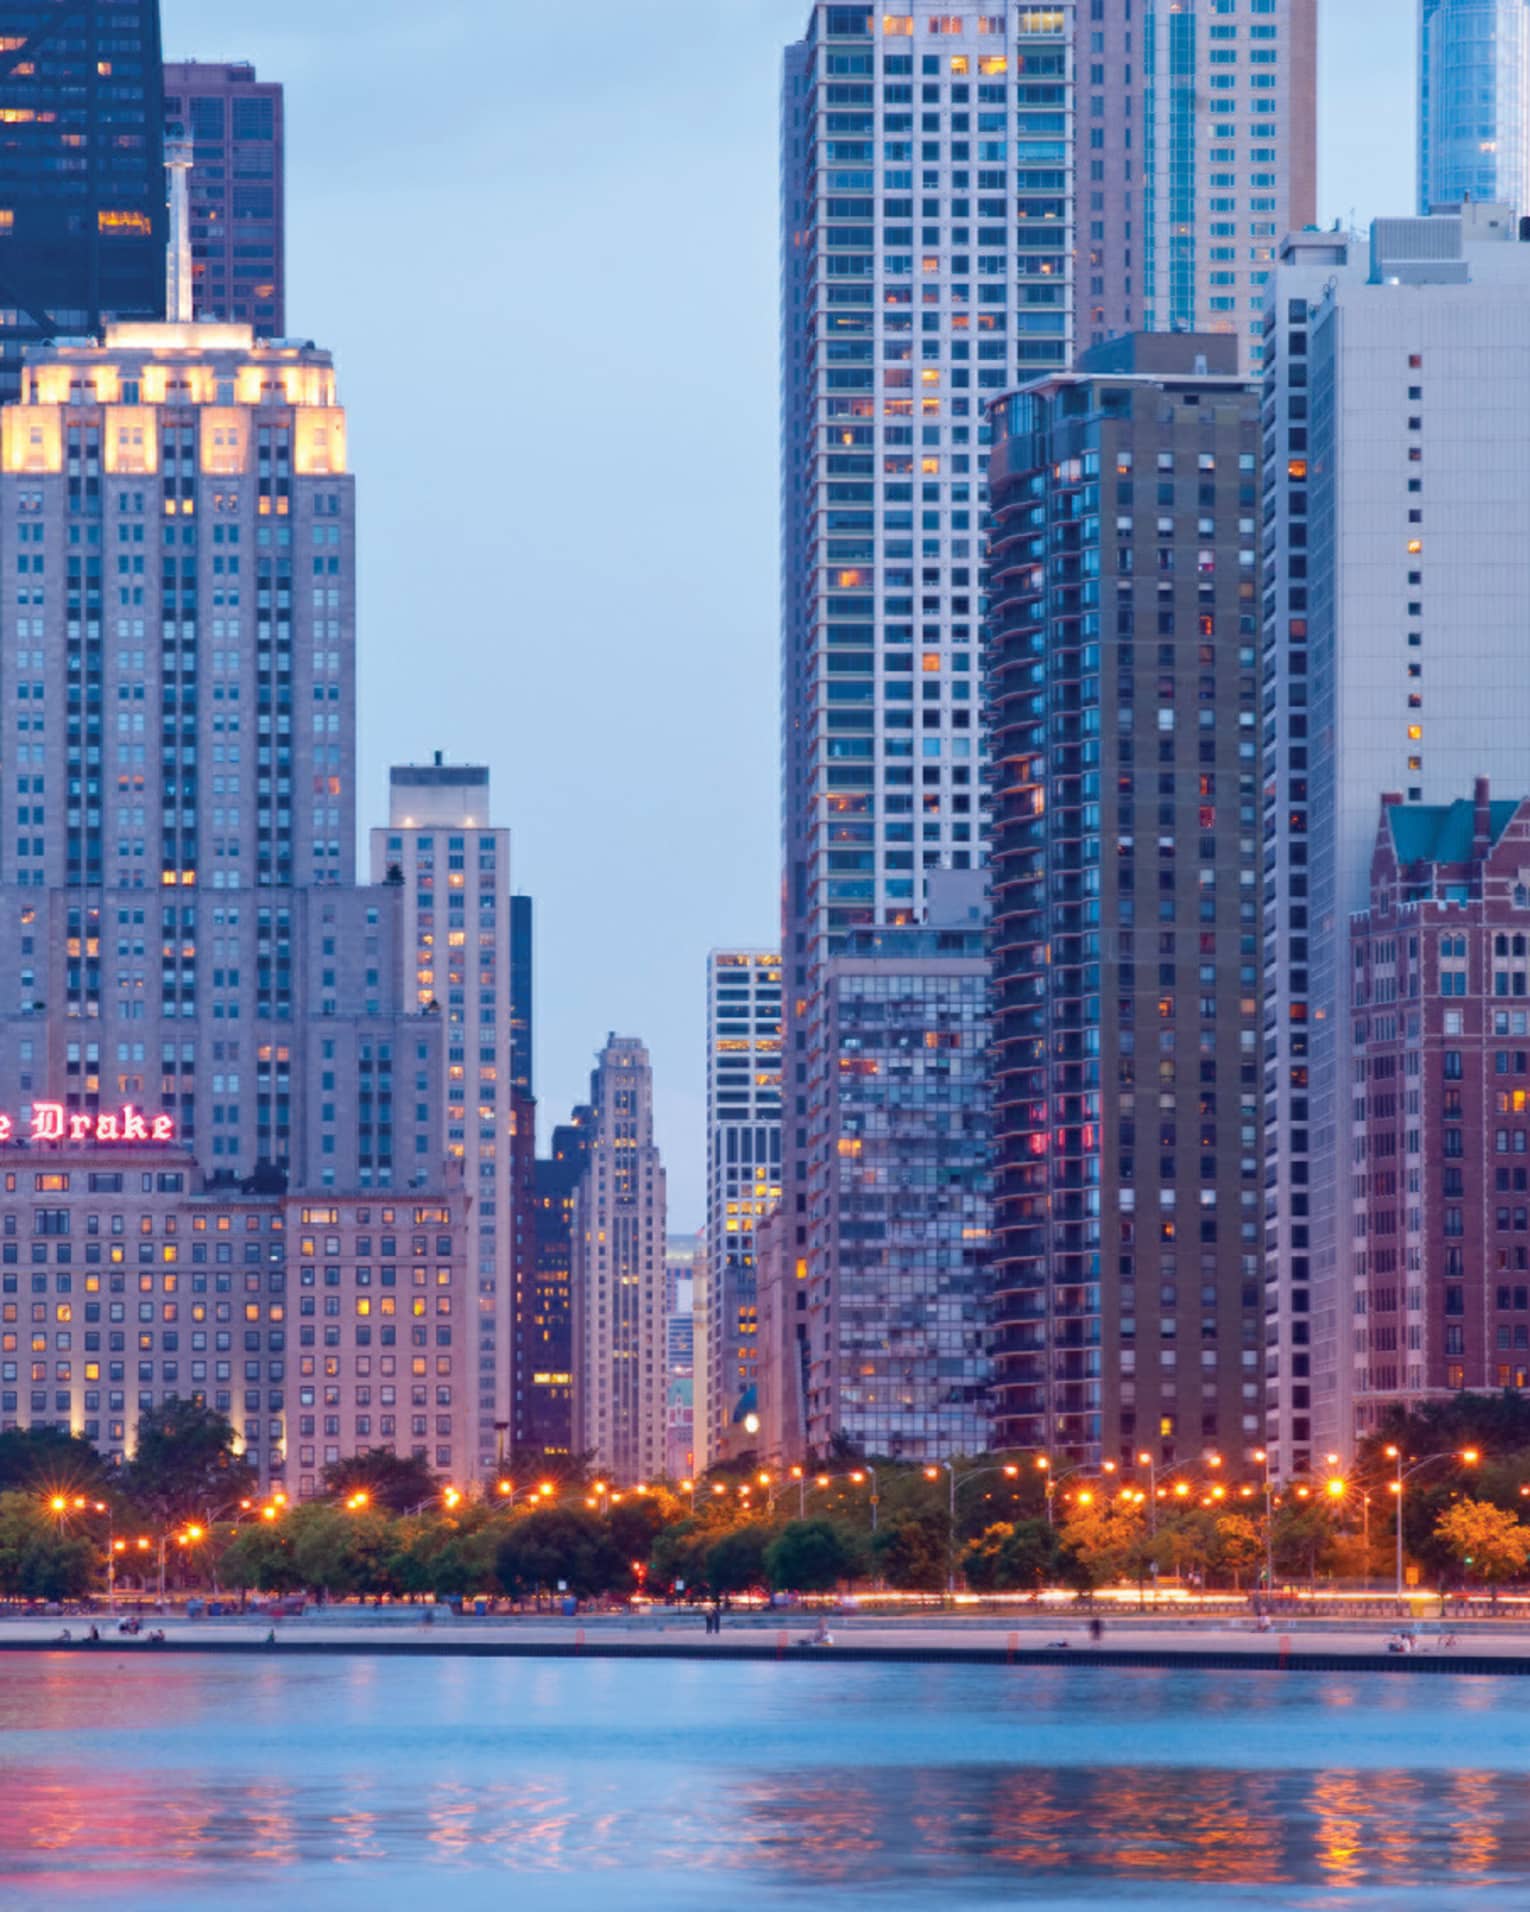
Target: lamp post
[(1262, 1455), (1466, 1454), (1008, 1468), (1053, 1476), (864, 1472)]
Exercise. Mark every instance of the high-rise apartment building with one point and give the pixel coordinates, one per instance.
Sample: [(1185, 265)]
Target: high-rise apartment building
[(1197, 152), (236, 190), (618, 1275), (927, 199), (897, 1353), (1124, 699), (743, 1175), (451, 868), (544, 1380), (1396, 559), (1439, 981), (682, 1255), (1473, 103), (82, 228)]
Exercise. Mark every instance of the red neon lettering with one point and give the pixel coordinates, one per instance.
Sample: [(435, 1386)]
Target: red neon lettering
[(7, 1129), (164, 1128), (107, 1130), (80, 1127), (47, 1121), (52, 1122), (134, 1128)]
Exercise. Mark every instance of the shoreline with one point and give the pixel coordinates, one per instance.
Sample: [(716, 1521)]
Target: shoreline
[(1207, 1650)]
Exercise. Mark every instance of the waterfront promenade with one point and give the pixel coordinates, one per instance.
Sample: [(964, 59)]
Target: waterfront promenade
[(1302, 1645)]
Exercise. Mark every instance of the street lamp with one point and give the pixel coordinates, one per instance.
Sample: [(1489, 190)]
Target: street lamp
[(1007, 1468), (1468, 1455), (1053, 1476), (866, 1470)]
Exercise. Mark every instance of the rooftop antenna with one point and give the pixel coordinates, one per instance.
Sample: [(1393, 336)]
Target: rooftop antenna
[(178, 162)]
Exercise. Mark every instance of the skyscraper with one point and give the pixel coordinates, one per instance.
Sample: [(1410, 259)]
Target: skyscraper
[(189, 961), (897, 1351), (1201, 155), (620, 1393), (682, 1254), (1124, 708), (743, 1175), (237, 190), (1397, 557), (1473, 103), (927, 264), (544, 1380), (82, 228), (451, 869)]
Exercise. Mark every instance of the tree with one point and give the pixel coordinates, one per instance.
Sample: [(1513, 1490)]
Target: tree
[(1239, 1545), (184, 1466), (1303, 1538), (810, 1556), (1488, 1541), (558, 1543), (1103, 1539), (38, 1561), (259, 1560), (394, 1483), (736, 1563), (914, 1553), (1011, 1556), (680, 1553), (47, 1458)]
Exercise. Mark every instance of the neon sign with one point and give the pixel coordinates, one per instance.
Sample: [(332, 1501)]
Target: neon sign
[(52, 1122)]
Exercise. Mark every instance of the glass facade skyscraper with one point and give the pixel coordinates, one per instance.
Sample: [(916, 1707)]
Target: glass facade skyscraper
[(82, 184), (1474, 103), (927, 262)]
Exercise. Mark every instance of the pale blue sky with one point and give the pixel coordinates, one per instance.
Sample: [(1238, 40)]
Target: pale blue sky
[(541, 240)]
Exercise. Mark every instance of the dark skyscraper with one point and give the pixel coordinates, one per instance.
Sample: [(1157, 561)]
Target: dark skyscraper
[(1124, 704), (544, 1330), (234, 122), (82, 183)]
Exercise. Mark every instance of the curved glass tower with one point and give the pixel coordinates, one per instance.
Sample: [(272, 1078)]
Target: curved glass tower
[(1474, 102)]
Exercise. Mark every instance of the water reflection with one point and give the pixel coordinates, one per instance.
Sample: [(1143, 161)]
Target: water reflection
[(119, 1780)]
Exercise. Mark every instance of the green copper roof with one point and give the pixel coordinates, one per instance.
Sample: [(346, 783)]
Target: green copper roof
[(1441, 832)]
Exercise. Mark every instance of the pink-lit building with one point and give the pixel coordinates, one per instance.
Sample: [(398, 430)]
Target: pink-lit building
[(1440, 1105), (320, 1324)]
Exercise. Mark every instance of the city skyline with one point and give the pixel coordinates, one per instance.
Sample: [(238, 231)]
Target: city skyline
[(722, 65)]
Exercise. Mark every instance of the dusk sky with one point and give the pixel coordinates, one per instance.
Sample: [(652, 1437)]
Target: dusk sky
[(541, 241)]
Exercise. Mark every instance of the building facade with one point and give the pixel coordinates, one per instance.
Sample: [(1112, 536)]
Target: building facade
[(1473, 103), (544, 1381), (1197, 153), (1124, 703), (1395, 563), (743, 1175), (618, 1274), (237, 190), (1440, 996), (451, 871), (897, 1347), (682, 1255), (927, 195), (320, 1325), (82, 233)]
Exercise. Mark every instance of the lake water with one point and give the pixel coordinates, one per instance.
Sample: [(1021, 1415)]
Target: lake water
[(611, 1785)]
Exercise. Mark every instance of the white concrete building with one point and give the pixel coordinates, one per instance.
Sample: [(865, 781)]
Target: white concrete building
[(452, 869), (620, 1364), (1397, 658)]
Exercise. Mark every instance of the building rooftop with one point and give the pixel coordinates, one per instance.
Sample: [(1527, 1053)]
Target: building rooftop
[(1442, 832)]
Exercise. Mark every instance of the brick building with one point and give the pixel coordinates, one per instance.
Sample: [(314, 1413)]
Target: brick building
[(1440, 1105)]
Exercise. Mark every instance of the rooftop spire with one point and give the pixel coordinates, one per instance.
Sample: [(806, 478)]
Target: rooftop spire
[(178, 162)]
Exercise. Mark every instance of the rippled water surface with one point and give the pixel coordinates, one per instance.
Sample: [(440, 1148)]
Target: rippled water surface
[(611, 1784)]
